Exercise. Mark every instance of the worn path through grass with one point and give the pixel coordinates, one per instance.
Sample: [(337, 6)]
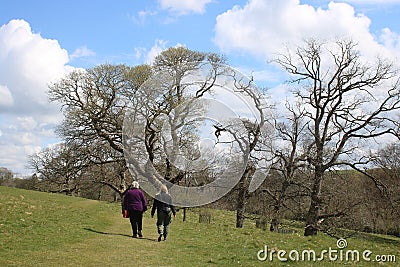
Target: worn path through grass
[(112, 246), (41, 229)]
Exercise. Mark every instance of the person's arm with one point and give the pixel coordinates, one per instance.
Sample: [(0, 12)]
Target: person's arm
[(153, 210), (125, 202), (173, 210), (172, 206), (143, 199)]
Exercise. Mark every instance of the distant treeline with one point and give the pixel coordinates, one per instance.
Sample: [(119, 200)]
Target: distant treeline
[(350, 201)]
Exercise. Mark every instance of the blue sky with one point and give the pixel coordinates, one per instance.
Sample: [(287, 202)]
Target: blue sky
[(42, 40)]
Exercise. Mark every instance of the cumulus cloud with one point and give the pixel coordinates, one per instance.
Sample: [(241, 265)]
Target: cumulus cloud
[(158, 47), (179, 7), (391, 40), (29, 63), (263, 27), (147, 56), (82, 51)]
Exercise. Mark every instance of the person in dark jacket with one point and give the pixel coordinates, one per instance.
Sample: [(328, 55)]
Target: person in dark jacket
[(163, 205), (135, 203)]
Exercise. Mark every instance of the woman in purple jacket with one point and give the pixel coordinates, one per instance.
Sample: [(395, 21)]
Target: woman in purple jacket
[(135, 203)]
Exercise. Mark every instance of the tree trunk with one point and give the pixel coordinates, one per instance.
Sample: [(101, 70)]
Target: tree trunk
[(274, 225), (278, 204), (241, 205), (184, 214), (100, 194), (243, 188), (314, 210), (312, 218)]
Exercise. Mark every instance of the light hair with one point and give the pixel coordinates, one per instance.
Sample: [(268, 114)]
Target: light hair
[(164, 188), (135, 184)]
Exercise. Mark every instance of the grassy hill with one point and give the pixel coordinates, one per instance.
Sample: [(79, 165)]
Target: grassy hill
[(41, 229)]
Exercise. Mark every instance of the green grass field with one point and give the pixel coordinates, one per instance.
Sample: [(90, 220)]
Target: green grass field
[(41, 229)]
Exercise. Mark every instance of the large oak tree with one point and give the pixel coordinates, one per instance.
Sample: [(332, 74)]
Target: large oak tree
[(348, 101)]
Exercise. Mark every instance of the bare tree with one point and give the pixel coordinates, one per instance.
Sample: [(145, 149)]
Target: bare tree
[(347, 101), (289, 162), (6, 177), (250, 135), (168, 97), (387, 162), (60, 168), (94, 104)]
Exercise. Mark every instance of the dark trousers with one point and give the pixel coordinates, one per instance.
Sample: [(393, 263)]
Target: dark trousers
[(135, 218), (163, 220)]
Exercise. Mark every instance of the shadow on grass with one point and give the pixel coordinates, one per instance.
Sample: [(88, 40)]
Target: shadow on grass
[(104, 233), (381, 239)]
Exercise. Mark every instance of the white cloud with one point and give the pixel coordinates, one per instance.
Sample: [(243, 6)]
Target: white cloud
[(180, 7), (142, 15), (148, 55), (82, 51), (263, 27), (391, 40), (157, 48), (17, 160), (29, 63), (26, 123), (6, 98), (382, 2), (139, 52)]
